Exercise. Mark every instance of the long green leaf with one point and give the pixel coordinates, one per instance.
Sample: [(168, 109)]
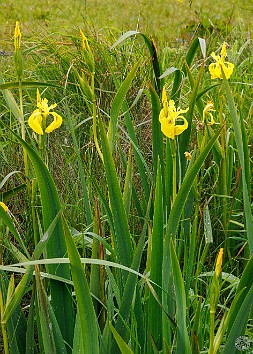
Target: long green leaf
[(129, 288), (154, 309), (51, 335), (157, 136), (185, 188), (88, 321), (10, 100), (158, 83), (122, 235), (45, 322), (240, 146), (117, 104), (182, 342), (11, 85), (124, 348)]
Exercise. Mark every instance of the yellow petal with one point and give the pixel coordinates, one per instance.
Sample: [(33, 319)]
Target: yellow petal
[(228, 69), (215, 71), (162, 115), (168, 129), (178, 129), (56, 123), (4, 206), (35, 121)]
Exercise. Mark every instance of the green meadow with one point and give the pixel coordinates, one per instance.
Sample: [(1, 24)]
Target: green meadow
[(126, 177)]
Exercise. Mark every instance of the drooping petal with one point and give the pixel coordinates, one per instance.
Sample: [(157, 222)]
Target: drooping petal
[(178, 129), (35, 122), (56, 123), (207, 112), (228, 69), (168, 129)]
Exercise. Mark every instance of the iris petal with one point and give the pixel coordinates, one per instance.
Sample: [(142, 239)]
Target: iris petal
[(35, 121), (56, 123)]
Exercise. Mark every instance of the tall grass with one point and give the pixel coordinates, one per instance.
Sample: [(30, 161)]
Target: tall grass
[(111, 238)]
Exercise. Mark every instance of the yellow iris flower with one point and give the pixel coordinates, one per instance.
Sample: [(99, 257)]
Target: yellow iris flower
[(168, 117), (219, 262), (215, 68), (4, 206), (207, 111), (37, 120)]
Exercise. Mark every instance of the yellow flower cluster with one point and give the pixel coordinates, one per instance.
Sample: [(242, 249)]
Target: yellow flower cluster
[(169, 114)]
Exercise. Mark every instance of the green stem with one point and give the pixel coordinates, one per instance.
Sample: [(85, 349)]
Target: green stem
[(212, 313), (94, 106), (3, 326), (22, 123), (174, 172)]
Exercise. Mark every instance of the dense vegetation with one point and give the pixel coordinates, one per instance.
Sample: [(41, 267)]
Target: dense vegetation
[(125, 210)]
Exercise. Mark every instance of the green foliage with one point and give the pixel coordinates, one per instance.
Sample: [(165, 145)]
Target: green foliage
[(111, 232)]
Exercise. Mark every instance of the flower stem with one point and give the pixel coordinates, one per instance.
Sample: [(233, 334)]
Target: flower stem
[(3, 325), (174, 170), (22, 123), (211, 332), (94, 106)]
